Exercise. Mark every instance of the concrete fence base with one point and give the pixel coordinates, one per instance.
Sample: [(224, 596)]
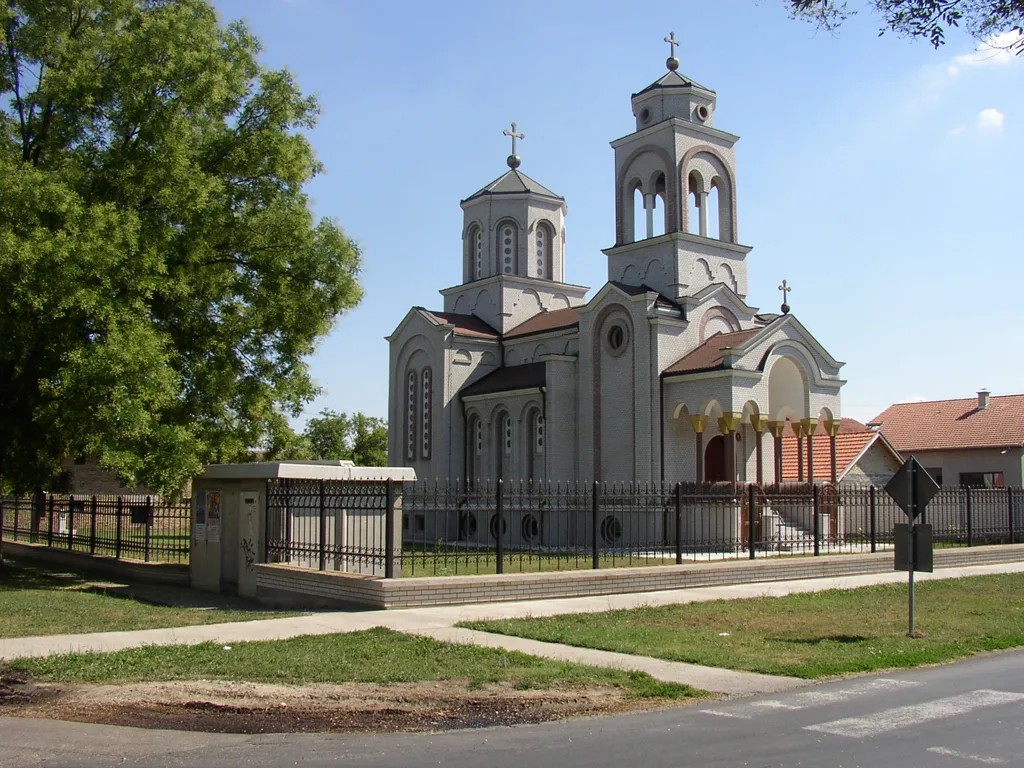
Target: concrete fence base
[(288, 586), (100, 565)]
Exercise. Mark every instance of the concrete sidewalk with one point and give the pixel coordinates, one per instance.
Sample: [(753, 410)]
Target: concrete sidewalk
[(439, 622)]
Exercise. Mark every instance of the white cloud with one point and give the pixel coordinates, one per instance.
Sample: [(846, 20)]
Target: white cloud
[(990, 119), (993, 50), (957, 131)]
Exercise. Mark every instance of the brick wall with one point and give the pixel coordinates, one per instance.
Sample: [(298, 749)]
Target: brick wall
[(129, 570)]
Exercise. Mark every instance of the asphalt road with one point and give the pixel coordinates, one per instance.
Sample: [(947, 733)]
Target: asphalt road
[(968, 714)]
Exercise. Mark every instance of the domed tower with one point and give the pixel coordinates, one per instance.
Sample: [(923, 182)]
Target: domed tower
[(513, 250), (679, 170)]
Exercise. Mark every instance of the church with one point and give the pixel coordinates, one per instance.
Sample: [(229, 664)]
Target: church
[(664, 375)]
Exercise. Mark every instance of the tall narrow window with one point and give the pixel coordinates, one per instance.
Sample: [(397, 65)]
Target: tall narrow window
[(507, 248), (506, 434), (538, 433), (475, 443), (478, 253), (426, 413), (542, 252), (410, 417)]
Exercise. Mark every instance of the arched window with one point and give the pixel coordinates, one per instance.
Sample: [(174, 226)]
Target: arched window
[(536, 453), (659, 224), (476, 252), (693, 200), (474, 448), (426, 413), (507, 248), (505, 444), (541, 262), (713, 215), (639, 216), (410, 416)]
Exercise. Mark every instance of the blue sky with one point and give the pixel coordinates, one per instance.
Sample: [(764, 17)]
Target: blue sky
[(880, 177)]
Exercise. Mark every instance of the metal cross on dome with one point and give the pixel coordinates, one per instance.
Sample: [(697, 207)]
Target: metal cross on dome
[(785, 288), (672, 43), (514, 136)]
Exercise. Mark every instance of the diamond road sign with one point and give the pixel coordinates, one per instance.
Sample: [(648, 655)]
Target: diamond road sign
[(912, 485)]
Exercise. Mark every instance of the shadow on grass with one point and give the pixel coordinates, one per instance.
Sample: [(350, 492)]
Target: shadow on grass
[(19, 576), (845, 639)]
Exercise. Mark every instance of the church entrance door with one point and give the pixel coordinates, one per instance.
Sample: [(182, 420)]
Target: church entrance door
[(714, 460)]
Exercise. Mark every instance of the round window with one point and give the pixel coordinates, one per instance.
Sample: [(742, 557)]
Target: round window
[(645, 115), (467, 525), (530, 528), (611, 529), (493, 527)]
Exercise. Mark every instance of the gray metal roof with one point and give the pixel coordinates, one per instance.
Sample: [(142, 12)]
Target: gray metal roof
[(514, 182), (508, 379), (673, 80)]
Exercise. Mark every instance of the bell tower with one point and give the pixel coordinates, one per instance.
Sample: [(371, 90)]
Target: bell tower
[(513, 250), (674, 162)]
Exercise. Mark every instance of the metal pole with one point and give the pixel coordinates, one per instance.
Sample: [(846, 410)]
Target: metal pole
[(873, 519), (1009, 512), (751, 533), (92, 526), (149, 527), (389, 531), (323, 526), (71, 523), (679, 523), (594, 508), (499, 533), (816, 510), (117, 528), (49, 533), (970, 517), (910, 577)]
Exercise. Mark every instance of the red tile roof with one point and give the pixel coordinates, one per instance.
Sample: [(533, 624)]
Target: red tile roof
[(464, 325), (708, 356), (545, 321), (848, 448), (847, 425), (952, 424)]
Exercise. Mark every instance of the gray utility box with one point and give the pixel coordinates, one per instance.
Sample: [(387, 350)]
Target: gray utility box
[(229, 509)]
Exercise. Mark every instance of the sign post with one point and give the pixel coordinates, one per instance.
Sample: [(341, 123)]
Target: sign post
[(912, 488)]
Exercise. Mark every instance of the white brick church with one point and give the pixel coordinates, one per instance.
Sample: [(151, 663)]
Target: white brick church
[(666, 374)]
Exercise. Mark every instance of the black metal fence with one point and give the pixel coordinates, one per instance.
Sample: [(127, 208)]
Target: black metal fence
[(456, 528), (146, 528)]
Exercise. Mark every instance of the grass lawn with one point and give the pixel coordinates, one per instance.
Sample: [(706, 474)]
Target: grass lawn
[(808, 635), (36, 601), (372, 656)]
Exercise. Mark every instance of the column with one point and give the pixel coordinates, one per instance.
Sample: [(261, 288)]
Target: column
[(799, 432), (728, 424), (702, 211), (809, 426), (759, 423), (777, 428), (832, 429), (700, 423), (649, 207)]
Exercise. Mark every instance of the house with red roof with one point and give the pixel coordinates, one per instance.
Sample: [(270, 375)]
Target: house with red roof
[(974, 441)]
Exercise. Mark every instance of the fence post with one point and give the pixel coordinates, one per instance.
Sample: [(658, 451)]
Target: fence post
[(970, 517), (267, 523), (873, 519), (49, 533), (71, 523), (679, 523), (117, 528), (499, 565), (594, 514), (92, 526), (816, 510), (751, 530), (149, 527), (389, 531), (1009, 512), (323, 526), (17, 506)]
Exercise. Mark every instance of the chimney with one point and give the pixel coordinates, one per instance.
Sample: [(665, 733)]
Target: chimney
[(982, 399)]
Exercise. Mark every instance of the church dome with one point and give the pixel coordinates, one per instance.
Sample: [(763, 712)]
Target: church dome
[(514, 182)]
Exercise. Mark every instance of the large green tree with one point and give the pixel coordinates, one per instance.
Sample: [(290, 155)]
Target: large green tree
[(930, 19), (163, 278)]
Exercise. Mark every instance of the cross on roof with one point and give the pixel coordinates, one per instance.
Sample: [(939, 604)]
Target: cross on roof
[(514, 136), (672, 43), (785, 288)]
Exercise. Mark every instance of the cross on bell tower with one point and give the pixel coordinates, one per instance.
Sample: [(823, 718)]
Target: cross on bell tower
[(785, 288), (513, 159), (672, 62)]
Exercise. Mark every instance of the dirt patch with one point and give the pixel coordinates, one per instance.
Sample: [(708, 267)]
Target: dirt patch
[(229, 707)]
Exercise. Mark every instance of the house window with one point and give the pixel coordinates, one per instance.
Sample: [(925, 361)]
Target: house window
[(982, 479), (426, 414), (410, 417)]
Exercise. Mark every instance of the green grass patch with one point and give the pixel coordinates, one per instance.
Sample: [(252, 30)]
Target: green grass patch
[(37, 601), (372, 656), (814, 635)]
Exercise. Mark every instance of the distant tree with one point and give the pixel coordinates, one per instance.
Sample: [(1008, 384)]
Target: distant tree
[(163, 276), (929, 19), (360, 438)]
